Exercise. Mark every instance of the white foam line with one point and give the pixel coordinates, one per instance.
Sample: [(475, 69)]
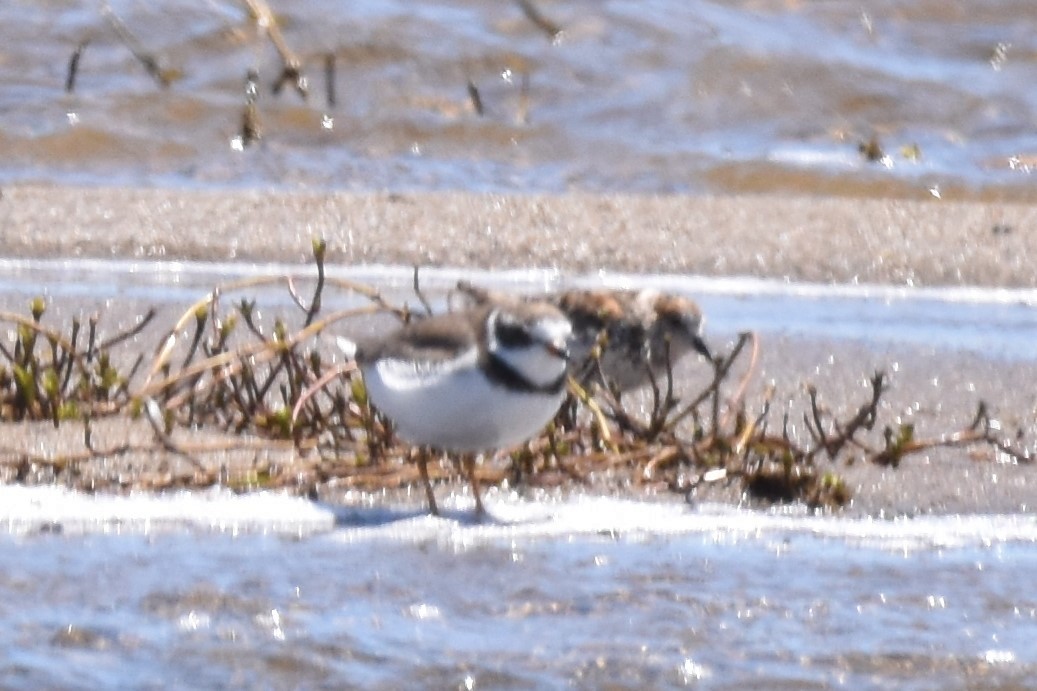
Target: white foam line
[(537, 279), (750, 286), (30, 510), (631, 519), (47, 508), (163, 270)]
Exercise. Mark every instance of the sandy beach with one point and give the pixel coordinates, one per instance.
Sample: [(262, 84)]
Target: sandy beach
[(934, 243), (826, 240)]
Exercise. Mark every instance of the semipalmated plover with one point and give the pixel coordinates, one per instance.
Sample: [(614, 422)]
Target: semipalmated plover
[(637, 330), (472, 381)]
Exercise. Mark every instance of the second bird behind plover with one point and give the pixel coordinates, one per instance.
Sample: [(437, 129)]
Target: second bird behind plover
[(468, 382), (628, 336), (640, 333)]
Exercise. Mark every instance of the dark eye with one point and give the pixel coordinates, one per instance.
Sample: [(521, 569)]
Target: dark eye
[(513, 335)]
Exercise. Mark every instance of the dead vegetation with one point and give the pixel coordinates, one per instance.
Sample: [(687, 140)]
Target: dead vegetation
[(221, 380)]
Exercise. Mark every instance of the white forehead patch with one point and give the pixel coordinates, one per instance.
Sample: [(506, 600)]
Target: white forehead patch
[(551, 329)]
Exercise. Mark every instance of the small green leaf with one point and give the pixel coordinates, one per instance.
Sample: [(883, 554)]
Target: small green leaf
[(358, 390), (51, 383), (25, 384), (320, 248), (68, 410), (37, 307)]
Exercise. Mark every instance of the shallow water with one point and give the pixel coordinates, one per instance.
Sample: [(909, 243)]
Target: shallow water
[(277, 592), (997, 323), (212, 589), (661, 96)]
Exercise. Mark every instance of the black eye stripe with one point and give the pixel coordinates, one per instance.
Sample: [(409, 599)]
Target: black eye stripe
[(512, 335)]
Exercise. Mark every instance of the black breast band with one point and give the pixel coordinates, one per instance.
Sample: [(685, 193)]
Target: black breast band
[(502, 374)]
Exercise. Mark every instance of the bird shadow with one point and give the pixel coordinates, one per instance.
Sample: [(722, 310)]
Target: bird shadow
[(380, 516)]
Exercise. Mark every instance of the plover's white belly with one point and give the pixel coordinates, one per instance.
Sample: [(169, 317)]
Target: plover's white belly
[(456, 408)]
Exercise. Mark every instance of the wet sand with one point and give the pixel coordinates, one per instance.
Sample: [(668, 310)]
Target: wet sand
[(839, 240), (825, 240)]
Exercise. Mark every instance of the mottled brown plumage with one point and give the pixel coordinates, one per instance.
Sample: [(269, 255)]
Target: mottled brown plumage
[(637, 330)]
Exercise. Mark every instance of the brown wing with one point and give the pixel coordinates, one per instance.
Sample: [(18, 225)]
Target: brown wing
[(589, 310), (431, 339)]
